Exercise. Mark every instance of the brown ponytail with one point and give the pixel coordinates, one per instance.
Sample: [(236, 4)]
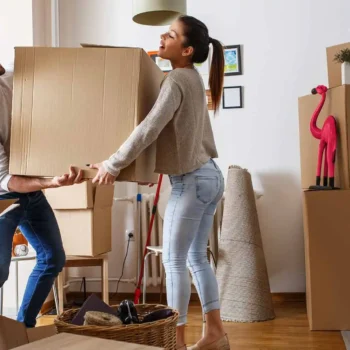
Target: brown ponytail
[(216, 77), (197, 36)]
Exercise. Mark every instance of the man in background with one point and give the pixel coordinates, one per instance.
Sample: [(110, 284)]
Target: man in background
[(34, 217)]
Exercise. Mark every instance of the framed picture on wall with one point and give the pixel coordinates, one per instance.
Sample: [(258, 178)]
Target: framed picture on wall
[(233, 60), (232, 97), (164, 65)]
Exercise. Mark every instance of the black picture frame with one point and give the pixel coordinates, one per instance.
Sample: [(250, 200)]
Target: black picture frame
[(226, 104), (230, 48)]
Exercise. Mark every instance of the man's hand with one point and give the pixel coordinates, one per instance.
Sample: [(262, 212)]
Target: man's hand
[(103, 177), (26, 184), (68, 179)]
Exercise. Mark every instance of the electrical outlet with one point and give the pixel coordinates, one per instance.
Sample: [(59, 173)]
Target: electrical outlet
[(130, 235)]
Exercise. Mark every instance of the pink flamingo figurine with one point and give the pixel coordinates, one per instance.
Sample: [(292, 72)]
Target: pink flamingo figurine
[(328, 141)]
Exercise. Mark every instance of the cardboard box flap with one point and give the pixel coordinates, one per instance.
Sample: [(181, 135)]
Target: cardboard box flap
[(12, 333), (108, 46), (38, 333), (7, 204), (71, 197), (103, 196)]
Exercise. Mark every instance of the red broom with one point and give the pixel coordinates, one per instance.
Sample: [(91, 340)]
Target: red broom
[(154, 211)]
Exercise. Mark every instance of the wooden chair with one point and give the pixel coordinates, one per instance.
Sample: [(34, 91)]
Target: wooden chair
[(80, 261)]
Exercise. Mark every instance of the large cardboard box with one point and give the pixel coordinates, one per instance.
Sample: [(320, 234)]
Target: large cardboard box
[(76, 106), (84, 216), (327, 244), (14, 335), (334, 68), (337, 104)]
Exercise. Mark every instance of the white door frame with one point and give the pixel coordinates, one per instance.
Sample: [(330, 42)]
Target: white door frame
[(45, 23)]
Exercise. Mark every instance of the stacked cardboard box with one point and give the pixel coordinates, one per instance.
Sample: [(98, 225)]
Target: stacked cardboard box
[(76, 106), (84, 214), (327, 213)]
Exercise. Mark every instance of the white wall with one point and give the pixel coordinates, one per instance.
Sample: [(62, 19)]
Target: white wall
[(92, 21), (284, 57), (15, 27)]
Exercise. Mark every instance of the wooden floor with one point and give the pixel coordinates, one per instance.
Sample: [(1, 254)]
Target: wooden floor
[(288, 331)]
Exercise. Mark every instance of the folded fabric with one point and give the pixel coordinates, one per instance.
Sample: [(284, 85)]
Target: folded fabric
[(158, 315)]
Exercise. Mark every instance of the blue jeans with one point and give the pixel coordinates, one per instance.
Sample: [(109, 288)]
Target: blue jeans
[(187, 224), (38, 224)]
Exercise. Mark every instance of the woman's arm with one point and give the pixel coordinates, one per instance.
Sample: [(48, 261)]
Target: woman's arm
[(144, 134)]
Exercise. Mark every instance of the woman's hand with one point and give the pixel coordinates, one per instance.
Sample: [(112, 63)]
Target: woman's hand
[(68, 179), (103, 177)]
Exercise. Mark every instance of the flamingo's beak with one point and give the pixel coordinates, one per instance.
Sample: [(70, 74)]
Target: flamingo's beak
[(314, 91)]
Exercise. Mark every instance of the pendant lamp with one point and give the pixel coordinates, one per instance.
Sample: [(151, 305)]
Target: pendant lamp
[(157, 12)]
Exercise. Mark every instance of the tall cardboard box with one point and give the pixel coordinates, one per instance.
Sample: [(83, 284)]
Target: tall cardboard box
[(76, 106), (327, 244), (337, 104), (84, 216), (334, 68)]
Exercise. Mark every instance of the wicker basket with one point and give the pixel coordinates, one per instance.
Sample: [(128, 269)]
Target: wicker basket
[(160, 333)]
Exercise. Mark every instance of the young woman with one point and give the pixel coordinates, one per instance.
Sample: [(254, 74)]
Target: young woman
[(180, 124)]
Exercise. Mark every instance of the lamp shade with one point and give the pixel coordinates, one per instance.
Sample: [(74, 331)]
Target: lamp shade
[(157, 12)]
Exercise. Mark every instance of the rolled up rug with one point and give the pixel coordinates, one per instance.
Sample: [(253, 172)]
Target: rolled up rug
[(241, 272)]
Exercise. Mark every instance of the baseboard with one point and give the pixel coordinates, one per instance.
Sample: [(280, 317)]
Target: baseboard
[(151, 297), (289, 297), (154, 297)]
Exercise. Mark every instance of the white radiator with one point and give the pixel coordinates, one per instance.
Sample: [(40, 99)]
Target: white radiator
[(142, 217), (155, 265)]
